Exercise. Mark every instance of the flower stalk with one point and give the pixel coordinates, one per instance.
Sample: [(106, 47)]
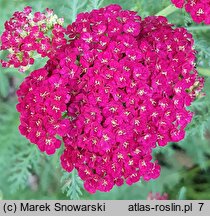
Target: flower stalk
[(199, 28), (167, 11)]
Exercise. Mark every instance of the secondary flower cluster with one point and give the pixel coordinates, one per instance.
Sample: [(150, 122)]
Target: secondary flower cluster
[(114, 91), (26, 32), (198, 9)]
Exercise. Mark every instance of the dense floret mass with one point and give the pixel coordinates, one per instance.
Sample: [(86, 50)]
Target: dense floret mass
[(42, 102), (118, 88), (198, 9)]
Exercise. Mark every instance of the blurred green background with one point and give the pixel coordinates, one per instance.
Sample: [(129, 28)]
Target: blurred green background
[(25, 173)]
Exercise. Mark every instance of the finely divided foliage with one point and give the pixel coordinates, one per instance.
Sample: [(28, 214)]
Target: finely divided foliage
[(113, 91)]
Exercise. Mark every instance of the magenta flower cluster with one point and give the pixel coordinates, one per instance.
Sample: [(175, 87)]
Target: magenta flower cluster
[(117, 89), (26, 32), (157, 196), (198, 9), (42, 101)]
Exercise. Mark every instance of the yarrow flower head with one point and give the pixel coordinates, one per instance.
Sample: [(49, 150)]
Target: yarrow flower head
[(114, 91), (135, 83), (198, 9), (26, 32)]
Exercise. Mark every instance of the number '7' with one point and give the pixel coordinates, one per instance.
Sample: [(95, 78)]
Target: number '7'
[(201, 205)]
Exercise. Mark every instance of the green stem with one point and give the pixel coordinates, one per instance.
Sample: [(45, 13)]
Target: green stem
[(167, 11), (197, 28), (203, 71)]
